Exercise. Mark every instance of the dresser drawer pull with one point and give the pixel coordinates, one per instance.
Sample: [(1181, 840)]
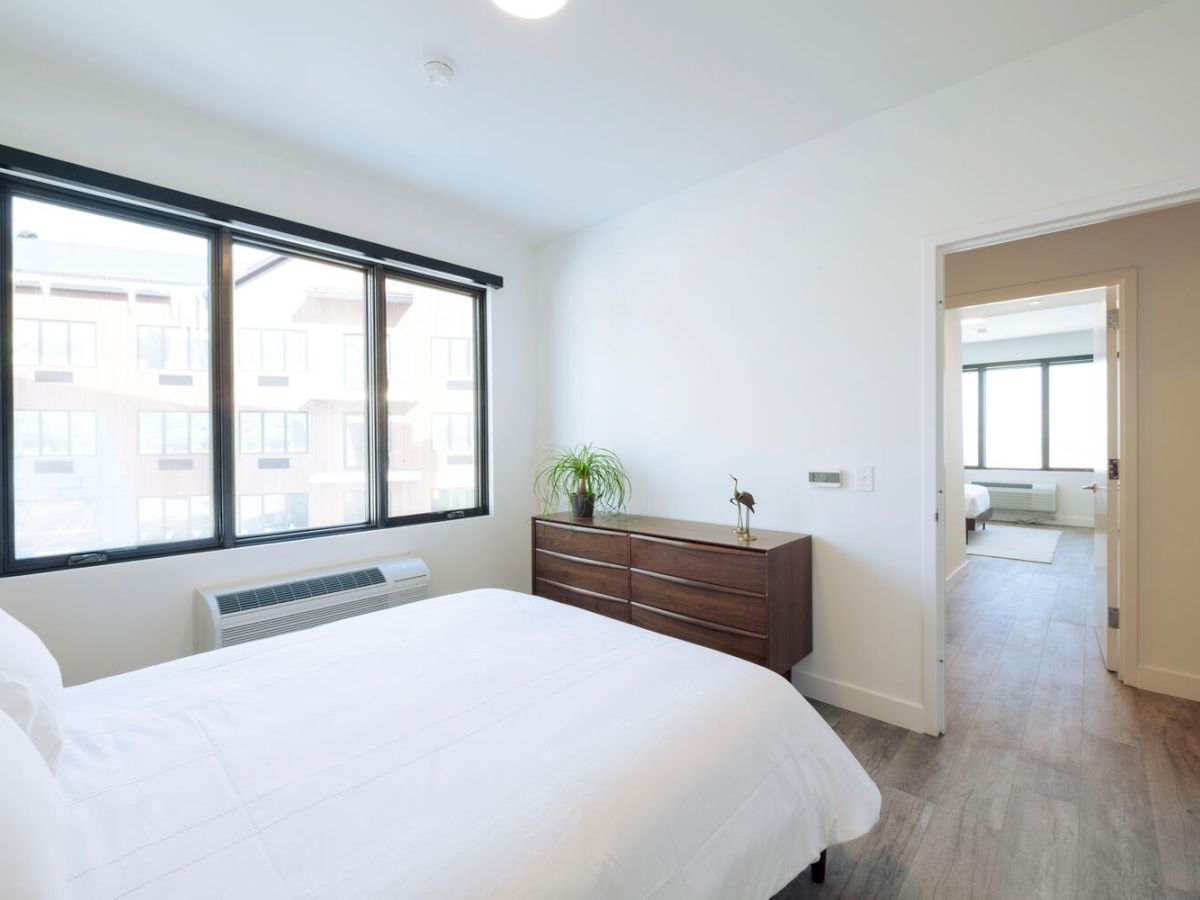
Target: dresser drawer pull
[(581, 559), (699, 585), (697, 545), (711, 626), (585, 529), (579, 590)]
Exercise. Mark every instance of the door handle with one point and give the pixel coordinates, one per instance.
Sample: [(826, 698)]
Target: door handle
[(1093, 487)]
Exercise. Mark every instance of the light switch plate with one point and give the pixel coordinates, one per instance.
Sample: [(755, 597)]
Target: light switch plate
[(864, 478)]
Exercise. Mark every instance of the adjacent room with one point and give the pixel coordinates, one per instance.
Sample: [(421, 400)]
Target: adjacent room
[(579, 450)]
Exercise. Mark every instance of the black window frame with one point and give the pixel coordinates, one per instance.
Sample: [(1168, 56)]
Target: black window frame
[(24, 174), (1045, 363)]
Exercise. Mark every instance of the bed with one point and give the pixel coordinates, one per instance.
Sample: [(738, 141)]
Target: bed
[(978, 506), (484, 744)]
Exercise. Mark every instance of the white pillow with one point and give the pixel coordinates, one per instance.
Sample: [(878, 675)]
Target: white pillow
[(31, 688), (33, 864)]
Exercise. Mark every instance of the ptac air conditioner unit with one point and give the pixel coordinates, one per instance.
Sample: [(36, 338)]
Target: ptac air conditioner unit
[(234, 614), (1027, 497)]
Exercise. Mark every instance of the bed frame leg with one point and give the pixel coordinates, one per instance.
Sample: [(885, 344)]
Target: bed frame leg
[(818, 869)]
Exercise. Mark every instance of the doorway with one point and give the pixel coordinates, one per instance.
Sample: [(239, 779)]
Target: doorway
[(1031, 384)]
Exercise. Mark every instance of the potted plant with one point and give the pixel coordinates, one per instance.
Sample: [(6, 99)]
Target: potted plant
[(590, 476)]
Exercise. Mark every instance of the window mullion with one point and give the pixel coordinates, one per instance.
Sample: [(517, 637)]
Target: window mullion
[(377, 402), (222, 366), (8, 515), (982, 417), (1045, 416)]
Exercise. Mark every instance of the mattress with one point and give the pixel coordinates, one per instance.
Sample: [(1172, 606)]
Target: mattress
[(978, 500), (485, 744)]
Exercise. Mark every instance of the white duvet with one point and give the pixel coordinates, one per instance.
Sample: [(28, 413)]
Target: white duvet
[(480, 745), (977, 500)]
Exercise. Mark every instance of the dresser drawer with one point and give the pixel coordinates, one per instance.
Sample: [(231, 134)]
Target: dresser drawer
[(606, 606), (599, 577), (745, 611), (740, 569), (746, 646), (588, 543)]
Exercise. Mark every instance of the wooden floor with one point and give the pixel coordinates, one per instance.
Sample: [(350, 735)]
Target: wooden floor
[(1052, 780)]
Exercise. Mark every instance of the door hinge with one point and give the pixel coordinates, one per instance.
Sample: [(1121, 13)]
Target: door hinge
[(1114, 617), (1114, 469), (1114, 320)]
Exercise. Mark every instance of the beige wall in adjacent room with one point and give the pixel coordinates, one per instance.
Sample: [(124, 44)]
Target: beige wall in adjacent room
[(1164, 247)]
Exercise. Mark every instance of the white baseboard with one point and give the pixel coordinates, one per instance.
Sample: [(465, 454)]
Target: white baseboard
[(955, 578), (886, 708), (1166, 681)]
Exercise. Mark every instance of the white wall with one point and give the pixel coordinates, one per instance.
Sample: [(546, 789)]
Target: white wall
[(117, 617), (770, 320)]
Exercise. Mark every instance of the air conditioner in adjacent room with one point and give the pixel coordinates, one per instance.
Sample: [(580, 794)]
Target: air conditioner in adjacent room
[(234, 614)]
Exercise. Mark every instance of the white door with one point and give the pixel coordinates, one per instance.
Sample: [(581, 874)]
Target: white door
[(1105, 489)]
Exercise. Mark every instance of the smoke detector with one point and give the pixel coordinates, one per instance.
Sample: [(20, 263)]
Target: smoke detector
[(440, 72)]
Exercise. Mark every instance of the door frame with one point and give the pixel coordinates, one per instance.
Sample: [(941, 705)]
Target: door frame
[(1092, 211)]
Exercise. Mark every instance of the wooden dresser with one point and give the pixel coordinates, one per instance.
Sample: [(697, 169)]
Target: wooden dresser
[(692, 581)]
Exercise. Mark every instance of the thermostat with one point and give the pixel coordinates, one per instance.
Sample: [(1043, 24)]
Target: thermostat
[(825, 479)]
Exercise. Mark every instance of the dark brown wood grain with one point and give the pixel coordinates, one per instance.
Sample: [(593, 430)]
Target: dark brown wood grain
[(592, 602), (735, 643), (741, 610), (691, 580), (739, 569), (588, 543), (679, 530), (602, 578)]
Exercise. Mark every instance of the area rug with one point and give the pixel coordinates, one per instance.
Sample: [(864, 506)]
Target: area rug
[(1014, 542)]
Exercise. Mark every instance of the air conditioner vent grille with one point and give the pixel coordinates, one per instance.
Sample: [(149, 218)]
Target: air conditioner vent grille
[(306, 589)]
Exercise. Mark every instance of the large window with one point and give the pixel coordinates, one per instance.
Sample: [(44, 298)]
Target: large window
[(433, 426), (1037, 414), (78, 269), (177, 383)]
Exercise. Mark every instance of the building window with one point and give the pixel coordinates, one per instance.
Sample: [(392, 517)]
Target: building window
[(1032, 414), (452, 357), (166, 519), (55, 432), (273, 432), (174, 433), (354, 442), (191, 352), (272, 513), (54, 343), (451, 433), (272, 349), (172, 348)]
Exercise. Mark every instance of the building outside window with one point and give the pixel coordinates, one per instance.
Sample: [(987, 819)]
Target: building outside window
[(53, 343)]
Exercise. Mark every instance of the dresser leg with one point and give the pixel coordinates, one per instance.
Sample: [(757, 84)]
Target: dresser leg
[(818, 869)]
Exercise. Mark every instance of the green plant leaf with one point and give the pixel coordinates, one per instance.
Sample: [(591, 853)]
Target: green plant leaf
[(583, 469)]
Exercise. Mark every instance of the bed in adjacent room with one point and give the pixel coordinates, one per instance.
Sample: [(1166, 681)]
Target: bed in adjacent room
[(977, 506), (485, 744)]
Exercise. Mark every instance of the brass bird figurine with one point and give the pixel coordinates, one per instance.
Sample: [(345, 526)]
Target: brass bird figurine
[(740, 499)]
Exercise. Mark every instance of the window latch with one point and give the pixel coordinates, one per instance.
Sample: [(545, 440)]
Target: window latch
[(85, 559)]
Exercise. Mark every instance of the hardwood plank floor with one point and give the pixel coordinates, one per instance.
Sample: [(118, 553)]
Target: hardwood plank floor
[(1053, 780)]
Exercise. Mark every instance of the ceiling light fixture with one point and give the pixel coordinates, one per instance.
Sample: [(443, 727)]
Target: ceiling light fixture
[(973, 321), (1035, 302), (531, 9)]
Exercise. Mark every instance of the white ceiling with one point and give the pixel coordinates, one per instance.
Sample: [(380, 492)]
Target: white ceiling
[(550, 124), (1032, 317)]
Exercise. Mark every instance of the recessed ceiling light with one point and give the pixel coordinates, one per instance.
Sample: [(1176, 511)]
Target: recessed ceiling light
[(531, 9), (1035, 302), (973, 321)]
